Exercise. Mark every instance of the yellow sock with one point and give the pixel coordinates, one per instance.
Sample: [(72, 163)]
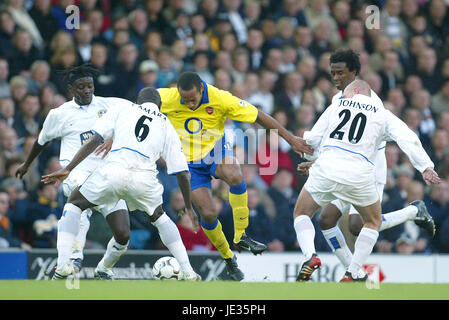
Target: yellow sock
[(215, 233), (238, 199)]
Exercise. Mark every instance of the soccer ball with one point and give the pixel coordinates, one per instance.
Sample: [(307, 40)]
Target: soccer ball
[(166, 268)]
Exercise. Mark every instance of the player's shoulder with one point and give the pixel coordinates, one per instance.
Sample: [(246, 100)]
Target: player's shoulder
[(63, 110), (168, 94), (112, 101)]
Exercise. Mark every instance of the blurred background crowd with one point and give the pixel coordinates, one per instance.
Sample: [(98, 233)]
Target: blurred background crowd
[(272, 53)]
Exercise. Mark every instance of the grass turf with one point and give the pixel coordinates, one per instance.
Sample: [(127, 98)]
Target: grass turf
[(216, 290)]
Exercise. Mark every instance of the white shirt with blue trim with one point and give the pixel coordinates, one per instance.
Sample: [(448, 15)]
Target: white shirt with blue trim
[(72, 123), (142, 134), (349, 135)]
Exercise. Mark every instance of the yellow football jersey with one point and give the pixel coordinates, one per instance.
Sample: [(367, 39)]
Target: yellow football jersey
[(200, 129)]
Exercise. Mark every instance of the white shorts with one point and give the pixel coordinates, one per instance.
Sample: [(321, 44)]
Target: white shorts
[(349, 207), (109, 183), (77, 178), (324, 191)]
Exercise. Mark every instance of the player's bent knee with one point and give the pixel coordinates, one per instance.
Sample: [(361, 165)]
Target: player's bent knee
[(355, 224), (122, 236), (326, 222)]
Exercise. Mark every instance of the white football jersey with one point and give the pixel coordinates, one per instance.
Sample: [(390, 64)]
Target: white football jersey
[(354, 131), (142, 134), (73, 123)]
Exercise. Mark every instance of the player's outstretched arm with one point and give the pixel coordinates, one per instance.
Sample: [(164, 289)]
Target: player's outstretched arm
[(82, 154), (184, 185), (35, 151), (298, 144)]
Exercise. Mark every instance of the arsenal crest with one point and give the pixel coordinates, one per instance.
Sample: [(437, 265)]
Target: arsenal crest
[(209, 110)]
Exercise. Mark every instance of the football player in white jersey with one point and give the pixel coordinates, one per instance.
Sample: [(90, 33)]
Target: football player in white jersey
[(355, 127), (345, 66), (142, 134), (72, 122)]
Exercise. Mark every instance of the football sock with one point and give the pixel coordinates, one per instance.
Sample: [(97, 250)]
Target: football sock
[(80, 239), (394, 218), (337, 242), (68, 227), (114, 252), (169, 233), (215, 233), (238, 199), (305, 233), (362, 249)]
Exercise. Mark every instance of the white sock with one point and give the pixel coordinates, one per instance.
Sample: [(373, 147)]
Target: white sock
[(337, 242), (305, 233), (171, 238), (68, 227), (80, 239), (114, 252), (394, 218), (362, 249)]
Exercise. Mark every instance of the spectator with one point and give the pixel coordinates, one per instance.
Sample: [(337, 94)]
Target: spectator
[(7, 29), (39, 76), (439, 147), (284, 196), (240, 65), (427, 70), (63, 58), (302, 41), (421, 101), (126, 73), (44, 214), (138, 23), (5, 90), (7, 111), (7, 239), (148, 70), (167, 72), (28, 122), (201, 66), (289, 99), (19, 13), (391, 73), (222, 80), (412, 84), (153, 41), (264, 97), (83, 41), (42, 17), (440, 100), (23, 53), (10, 147), (394, 27), (104, 82), (19, 88)]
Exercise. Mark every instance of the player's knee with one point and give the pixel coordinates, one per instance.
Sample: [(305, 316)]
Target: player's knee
[(355, 224), (326, 222), (122, 236), (234, 178), (208, 216)]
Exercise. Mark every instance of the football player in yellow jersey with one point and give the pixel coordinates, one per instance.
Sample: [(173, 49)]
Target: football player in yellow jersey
[(198, 112)]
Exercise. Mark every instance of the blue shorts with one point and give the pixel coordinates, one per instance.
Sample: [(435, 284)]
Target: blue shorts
[(201, 172)]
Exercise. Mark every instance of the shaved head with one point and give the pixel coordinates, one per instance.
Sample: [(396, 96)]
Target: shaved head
[(357, 87)]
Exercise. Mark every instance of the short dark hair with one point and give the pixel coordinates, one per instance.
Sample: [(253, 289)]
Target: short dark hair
[(74, 73), (188, 80), (348, 56), (149, 94)]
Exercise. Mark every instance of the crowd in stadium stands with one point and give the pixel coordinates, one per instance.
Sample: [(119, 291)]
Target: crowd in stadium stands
[(272, 53)]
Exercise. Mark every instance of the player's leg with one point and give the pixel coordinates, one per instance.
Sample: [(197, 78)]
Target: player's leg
[(416, 211), (68, 228), (366, 239), (80, 240), (118, 220), (328, 222), (171, 238), (202, 199), (304, 210), (229, 171)]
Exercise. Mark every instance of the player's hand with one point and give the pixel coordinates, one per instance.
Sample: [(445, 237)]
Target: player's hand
[(303, 168), (21, 171), (57, 177), (105, 147), (430, 176), (194, 217), (300, 146)]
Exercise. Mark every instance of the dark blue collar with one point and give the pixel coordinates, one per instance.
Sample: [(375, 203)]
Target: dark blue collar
[(205, 98)]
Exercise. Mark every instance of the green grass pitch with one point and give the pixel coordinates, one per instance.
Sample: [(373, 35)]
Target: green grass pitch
[(215, 290)]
